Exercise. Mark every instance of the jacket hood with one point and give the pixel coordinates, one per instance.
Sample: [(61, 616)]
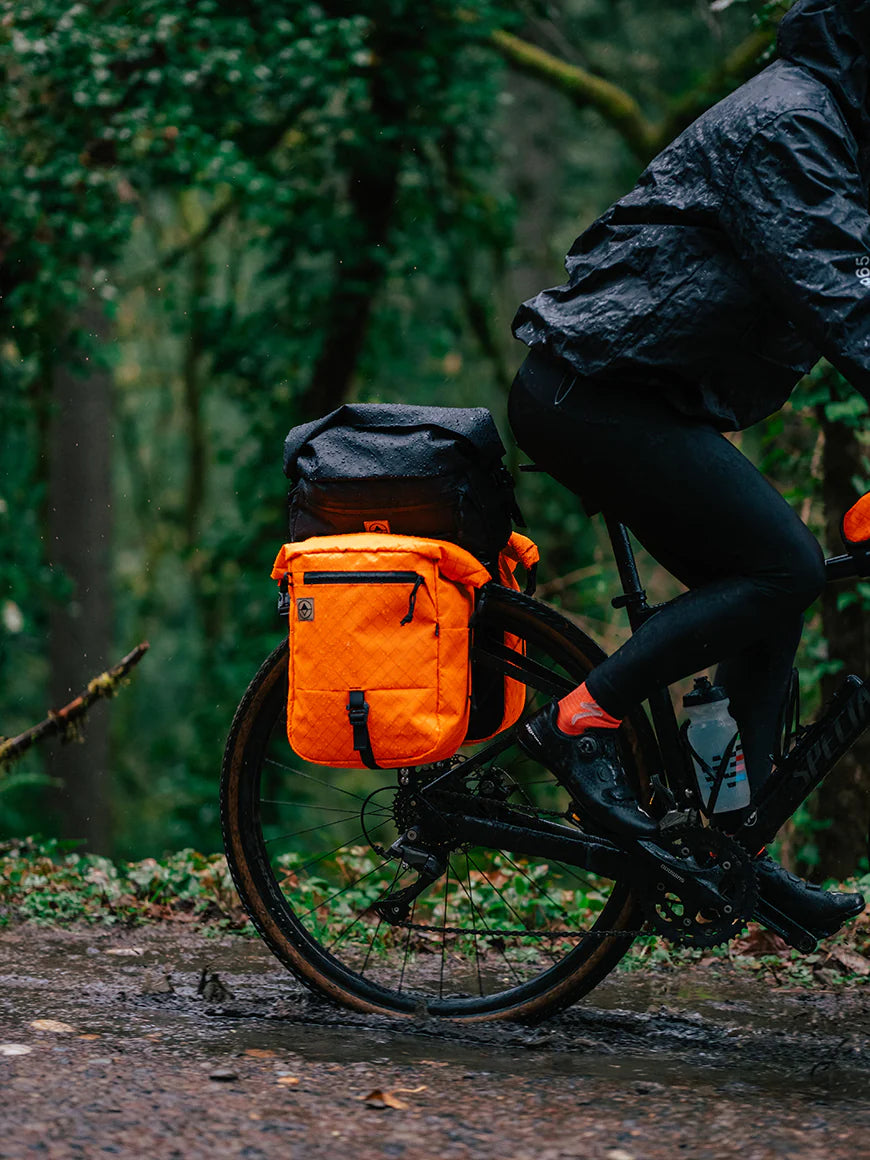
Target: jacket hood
[(831, 39)]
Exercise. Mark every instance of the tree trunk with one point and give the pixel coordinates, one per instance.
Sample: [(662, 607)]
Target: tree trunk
[(80, 525), (373, 184), (844, 797)]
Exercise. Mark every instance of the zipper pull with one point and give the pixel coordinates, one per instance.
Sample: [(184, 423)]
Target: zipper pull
[(409, 616)]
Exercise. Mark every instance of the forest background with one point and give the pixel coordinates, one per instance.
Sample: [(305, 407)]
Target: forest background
[(220, 219)]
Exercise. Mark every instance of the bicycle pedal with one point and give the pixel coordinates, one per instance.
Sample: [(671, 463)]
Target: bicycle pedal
[(791, 932)]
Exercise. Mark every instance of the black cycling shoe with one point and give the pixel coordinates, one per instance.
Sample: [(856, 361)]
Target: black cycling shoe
[(821, 912), (589, 768)]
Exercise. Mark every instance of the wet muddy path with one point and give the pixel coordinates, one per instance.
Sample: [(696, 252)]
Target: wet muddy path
[(117, 1043)]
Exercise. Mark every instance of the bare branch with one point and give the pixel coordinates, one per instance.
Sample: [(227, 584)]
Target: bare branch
[(64, 721)]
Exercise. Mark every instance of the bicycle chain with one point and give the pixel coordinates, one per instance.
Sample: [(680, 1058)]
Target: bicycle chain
[(555, 935)]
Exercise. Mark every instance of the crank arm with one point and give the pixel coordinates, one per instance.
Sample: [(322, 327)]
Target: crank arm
[(773, 918), (684, 872)]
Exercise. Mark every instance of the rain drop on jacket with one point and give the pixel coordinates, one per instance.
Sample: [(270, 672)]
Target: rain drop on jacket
[(743, 253)]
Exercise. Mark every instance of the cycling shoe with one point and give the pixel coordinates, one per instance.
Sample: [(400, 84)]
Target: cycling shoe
[(589, 768), (821, 912)]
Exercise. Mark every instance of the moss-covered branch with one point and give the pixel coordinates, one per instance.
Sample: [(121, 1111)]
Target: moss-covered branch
[(584, 88), (616, 105), (65, 721)]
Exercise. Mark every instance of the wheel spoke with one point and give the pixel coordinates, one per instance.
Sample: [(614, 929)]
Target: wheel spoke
[(331, 786), (310, 829), (444, 933), (473, 924), (311, 806), (407, 946), (335, 850), (494, 938)]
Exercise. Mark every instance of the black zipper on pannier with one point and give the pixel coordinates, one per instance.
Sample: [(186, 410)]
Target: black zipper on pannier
[(371, 578)]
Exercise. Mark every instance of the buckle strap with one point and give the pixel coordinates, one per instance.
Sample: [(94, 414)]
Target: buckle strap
[(358, 715)]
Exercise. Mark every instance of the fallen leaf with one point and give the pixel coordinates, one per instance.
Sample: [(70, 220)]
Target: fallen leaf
[(87, 1037), (288, 1080), (51, 1025), (126, 952), (258, 1052), (383, 1099), (14, 1049), (435, 1063), (758, 941), (851, 961)]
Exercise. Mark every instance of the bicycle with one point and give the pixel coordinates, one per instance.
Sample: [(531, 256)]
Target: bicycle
[(455, 889)]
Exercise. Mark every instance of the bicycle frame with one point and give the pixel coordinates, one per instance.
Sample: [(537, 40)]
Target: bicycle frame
[(633, 598)]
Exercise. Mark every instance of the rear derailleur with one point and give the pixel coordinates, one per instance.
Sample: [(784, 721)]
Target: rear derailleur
[(430, 865)]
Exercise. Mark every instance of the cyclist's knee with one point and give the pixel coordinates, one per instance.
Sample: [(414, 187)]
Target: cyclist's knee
[(803, 576)]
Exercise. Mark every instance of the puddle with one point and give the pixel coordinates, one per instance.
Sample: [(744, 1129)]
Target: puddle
[(675, 1031)]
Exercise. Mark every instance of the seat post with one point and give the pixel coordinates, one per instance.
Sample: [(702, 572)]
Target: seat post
[(633, 596)]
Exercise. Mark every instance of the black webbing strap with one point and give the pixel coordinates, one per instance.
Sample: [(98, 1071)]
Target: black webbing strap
[(358, 713)]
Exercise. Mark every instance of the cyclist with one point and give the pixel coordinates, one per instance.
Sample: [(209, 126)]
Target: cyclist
[(693, 306)]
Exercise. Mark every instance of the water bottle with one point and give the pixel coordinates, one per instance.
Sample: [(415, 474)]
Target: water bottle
[(709, 730)]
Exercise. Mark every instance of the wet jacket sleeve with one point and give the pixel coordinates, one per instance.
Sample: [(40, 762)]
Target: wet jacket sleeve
[(796, 212)]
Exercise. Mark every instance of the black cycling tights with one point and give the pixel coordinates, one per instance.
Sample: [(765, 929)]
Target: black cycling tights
[(707, 515)]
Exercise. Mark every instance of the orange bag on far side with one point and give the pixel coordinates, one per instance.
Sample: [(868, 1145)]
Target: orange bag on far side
[(497, 701)]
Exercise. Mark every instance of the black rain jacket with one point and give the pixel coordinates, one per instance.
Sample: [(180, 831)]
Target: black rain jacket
[(743, 253)]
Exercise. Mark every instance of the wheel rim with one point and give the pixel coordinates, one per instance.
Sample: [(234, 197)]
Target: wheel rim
[(317, 895)]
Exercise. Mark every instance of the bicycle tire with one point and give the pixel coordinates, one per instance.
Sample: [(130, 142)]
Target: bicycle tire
[(280, 917)]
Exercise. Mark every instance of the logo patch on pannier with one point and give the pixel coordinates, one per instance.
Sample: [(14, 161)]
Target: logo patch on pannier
[(377, 525), (305, 608)]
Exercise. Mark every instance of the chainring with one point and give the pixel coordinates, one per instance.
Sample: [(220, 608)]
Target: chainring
[(670, 909)]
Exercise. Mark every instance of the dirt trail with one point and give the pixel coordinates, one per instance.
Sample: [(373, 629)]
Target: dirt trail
[(649, 1067)]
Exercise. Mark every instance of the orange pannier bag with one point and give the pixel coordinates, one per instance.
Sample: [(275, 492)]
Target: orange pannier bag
[(379, 647), (498, 702)]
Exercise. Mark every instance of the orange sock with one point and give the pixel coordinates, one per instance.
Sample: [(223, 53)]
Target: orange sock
[(580, 711)]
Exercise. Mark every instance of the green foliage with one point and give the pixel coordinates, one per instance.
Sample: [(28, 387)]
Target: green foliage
[(50, 882)]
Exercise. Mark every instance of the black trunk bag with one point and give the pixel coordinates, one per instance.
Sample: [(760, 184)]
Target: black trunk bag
[(414, 471)]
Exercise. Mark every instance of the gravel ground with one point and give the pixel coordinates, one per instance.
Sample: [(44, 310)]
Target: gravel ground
[(160, 1042)]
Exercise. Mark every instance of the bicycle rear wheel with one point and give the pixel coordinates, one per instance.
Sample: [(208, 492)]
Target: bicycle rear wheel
[(497, 936)]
